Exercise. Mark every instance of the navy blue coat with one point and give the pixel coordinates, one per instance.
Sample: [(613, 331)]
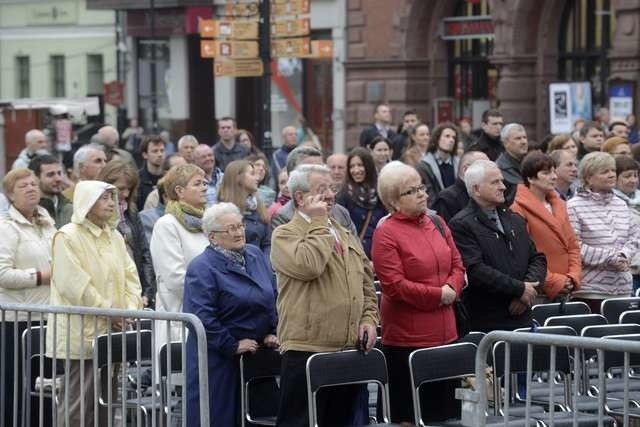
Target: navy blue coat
[(232, 305), (257, 232)]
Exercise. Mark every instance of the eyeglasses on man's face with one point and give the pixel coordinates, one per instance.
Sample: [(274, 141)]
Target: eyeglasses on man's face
[(231, 229), (414, 190)]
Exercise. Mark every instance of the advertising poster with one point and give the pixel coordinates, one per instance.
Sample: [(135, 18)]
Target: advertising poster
[(620, 99), (568, 102)]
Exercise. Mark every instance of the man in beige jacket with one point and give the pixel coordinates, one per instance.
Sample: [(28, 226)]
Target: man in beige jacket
[(326, 299)]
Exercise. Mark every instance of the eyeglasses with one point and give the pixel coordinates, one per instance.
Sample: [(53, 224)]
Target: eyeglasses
[(414, 190), (231, 229)]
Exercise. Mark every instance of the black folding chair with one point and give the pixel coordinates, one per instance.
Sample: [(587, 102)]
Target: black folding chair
[(541, 312), (577, 322), (615, 359), (472, 337), (263, 364), (612, 308), (346, 367), (631, 316), (170, 396)]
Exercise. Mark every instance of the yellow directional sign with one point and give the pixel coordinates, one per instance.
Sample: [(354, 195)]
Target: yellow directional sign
[(229, 28), (322, 48), (238, 68), (291, 28), (244, 10), (290, 48), (289, 7), (228, 49)]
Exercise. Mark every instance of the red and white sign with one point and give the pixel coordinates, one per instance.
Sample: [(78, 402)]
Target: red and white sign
[(114, 93), (467, 27)]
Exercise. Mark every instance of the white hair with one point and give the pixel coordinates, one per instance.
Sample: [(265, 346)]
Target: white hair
[(392, 177), (299, 177), (212, 215), (82, 155), (476, 172), (187, 138), (31, 135), (506, 130)]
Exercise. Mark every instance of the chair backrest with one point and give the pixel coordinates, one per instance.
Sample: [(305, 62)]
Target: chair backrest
[(540, 357), (176, 358), (631, 316), (541, 312), (612, 308), (600, 331), (614, 359), (472, 337), (551, 330), (577, 322), (264, 363), (130, 340), (439, 363), (346, 367)]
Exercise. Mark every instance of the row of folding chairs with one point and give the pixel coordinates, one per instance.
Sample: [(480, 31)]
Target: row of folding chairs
[(612, 309)]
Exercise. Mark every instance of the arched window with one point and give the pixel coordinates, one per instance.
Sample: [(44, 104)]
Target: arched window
[(586, 31), (472, 79)]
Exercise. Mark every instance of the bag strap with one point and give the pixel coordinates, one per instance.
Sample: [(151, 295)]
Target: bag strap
[(436, 221), (367, 220)]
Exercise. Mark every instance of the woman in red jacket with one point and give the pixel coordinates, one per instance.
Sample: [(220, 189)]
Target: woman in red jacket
[(548, 225), (421, 275)]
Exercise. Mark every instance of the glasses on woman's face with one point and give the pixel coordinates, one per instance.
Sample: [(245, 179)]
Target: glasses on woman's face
[(414, 190), (231, 229)]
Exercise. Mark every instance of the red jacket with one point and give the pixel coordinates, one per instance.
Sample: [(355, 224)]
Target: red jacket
[(413, 262), (553, 236)]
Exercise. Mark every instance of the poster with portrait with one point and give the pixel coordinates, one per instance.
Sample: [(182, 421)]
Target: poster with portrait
[(568, 102)]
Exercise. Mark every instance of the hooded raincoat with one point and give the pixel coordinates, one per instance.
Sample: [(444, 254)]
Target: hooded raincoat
[(91, 268)]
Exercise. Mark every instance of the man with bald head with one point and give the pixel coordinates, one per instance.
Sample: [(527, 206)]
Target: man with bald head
[(203, 158), (35, 143), (109, 137), (279, 157), (337, 163)]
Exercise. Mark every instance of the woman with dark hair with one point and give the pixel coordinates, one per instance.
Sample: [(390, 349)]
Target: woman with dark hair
[(266, 194), (548, 225), (125, 178), (360, 197), (381, 149), (240, 187), (439, 166), (627, 189), (246, 139)]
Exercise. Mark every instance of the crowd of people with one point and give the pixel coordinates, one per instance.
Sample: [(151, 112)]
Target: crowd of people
[(282, 251)]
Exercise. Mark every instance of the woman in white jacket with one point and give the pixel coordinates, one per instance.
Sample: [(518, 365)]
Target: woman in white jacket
[(25, 267), (176, 239)]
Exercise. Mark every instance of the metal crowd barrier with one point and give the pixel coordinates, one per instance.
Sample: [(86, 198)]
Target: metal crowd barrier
[(475, 402), (127, 354)]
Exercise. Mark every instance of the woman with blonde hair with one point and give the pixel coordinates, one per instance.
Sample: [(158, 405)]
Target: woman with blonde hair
[(124, 177), (177, 238), (563, 141), (240, 186)]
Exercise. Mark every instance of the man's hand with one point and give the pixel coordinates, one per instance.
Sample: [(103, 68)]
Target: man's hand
[(314, 206), (45, 277), (568, 287), (145, 301), (372, 334), (271, 341), (120, 324), (516, 307), (247, 346), (448, 295), (530, 293)]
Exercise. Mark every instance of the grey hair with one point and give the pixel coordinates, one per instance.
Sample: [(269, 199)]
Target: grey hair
[(594, 163), (82, 155), (296, 156), (31, 135), (186, 138), (299, 177), (391, 179), (476, 172), (506, 130), (212, 215)]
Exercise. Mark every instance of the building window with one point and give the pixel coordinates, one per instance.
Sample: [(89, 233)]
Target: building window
[(472, 79), (23, 74), (95, 74), (585, 37), (57, 76)]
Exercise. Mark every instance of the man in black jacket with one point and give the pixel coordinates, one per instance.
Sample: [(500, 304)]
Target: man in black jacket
[(380, 127), (454, 198), (489, 140), (503, 266)]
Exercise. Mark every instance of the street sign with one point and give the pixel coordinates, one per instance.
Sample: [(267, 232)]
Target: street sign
[(291, 48), (228, 49), (322, 48), (228, 28), (238, 68), (289, 7), (290, 28), (241, 10)]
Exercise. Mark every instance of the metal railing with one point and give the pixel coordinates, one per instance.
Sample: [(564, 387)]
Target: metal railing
[(128, 353), (475, 403)]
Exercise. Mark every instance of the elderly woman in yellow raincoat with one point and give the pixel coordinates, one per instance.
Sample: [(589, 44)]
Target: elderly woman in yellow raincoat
[(90, 268)]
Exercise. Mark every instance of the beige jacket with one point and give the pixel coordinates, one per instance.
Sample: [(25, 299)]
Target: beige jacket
[(323, 297), (25, 248), (91, 268)]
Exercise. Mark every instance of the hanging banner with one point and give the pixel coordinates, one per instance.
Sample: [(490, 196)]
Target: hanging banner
[(620, 99), (568, 102)]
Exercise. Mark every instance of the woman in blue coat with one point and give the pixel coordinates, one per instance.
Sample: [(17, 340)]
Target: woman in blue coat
[(232, 290), (360, 197)]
